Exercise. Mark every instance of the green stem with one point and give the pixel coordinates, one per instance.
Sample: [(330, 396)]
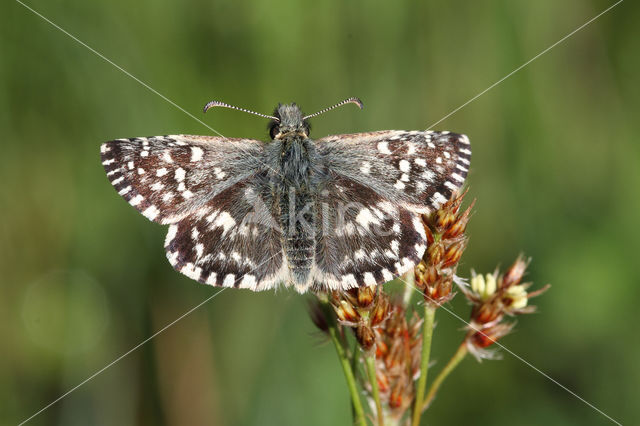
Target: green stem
[(427, 334), (370, 361), (451, 365), (359, 418)]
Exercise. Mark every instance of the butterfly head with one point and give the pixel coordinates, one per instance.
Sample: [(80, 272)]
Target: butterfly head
[(289, 121)]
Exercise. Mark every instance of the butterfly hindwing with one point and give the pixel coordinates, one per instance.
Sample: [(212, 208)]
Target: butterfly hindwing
[(418, 169), (231, 241), (364, 239)]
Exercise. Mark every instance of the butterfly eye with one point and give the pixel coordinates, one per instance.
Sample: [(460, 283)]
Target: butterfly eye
[(274, 130)]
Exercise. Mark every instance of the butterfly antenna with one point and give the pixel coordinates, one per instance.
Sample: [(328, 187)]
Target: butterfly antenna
[(346, 101), (213, 104)]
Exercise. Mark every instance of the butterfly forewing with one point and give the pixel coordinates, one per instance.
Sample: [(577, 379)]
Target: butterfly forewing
[(167, 177), (417, 169)]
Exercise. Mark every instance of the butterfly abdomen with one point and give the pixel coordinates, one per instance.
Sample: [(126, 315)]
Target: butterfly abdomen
[(296, 201)]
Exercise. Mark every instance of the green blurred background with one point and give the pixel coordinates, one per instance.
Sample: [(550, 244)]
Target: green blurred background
[(84, 277)]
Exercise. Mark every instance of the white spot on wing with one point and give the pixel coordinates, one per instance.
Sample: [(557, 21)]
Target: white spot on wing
[(192, 271), (229, 280), (366, 167), (196, 153), (219, 173), (171, 234), (383, 147), (349, 281), (386, 275), (405, 166), (369, 279), (365, 217), (439, 198), (151, 212), (248, 281), (457, 177), (180, 174), (225, 221), (124, 190), (420, 162), (136, 200), (161, 172), (450, 185)]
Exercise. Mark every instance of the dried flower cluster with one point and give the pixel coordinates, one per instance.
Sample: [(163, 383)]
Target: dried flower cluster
[(364, 309), (446, 243), (493, 297), (396, 342), (398, 359)]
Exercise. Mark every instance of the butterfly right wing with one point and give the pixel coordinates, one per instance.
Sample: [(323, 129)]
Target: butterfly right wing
[(378, 186), (417, 169)]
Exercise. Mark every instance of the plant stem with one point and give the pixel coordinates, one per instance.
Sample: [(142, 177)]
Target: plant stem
[(359, 418), (370, 361), (451, 365), (427, 334)]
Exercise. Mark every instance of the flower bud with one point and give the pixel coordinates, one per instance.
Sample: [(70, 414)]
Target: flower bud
[(379, 312), (366, 337), (515, 297), (453, 254), (365, 296), (515, 272), (346, 312), (490, 335)]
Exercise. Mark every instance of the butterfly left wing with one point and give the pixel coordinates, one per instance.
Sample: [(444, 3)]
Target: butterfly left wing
[(211, 192), (369, 209), (167, 177)]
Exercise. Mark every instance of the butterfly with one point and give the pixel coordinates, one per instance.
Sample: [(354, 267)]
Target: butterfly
[(338, 212)]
